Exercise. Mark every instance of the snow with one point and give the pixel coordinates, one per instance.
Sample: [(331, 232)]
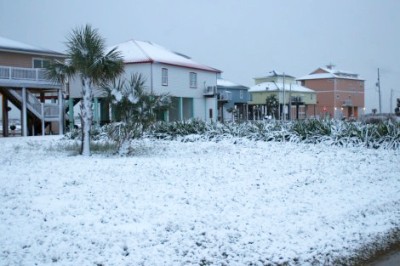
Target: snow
[(274, 73), (274, 86), (15, 45), (233, 202), (337, 71), (331, 73), (227, 83), (134, 51)]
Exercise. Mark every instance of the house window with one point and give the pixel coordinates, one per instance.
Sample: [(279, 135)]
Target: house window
[(193, 79), (40, 63), (164, 77), (241, 94)]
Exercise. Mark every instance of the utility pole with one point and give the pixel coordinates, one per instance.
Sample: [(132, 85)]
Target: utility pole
[(378, 84)]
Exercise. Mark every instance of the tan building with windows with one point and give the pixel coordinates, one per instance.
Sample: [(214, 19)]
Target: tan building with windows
[(340, 94), (24, 85), (294, 101)]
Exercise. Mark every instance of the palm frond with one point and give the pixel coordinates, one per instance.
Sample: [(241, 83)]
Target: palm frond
[(58, 71)]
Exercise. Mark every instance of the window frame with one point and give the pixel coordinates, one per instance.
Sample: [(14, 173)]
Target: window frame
[(164, 76), (193, 80), (42, 62)]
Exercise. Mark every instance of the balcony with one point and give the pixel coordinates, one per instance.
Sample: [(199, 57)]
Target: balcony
[(26, 77), (297, 100), (224, 96), (210, 91)]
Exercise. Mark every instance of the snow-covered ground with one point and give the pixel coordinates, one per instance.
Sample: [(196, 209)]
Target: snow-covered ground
[(235, 202)]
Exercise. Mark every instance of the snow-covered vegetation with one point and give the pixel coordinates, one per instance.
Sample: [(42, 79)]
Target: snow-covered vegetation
[(381, 134), (223, 195)]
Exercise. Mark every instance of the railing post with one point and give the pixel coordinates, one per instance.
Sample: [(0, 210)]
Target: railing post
[(5, 115), (24, 113), (42, 111)]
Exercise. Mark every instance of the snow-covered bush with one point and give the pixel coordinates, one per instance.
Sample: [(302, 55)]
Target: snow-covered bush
[(135, 109), (333, 132), (330, 132)]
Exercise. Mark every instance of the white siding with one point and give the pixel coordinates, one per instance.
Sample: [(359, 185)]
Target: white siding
[(178, 85), (144, 69)]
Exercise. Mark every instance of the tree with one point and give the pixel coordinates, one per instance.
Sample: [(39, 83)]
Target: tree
[(135, 107), (87, 59), (272, 105)]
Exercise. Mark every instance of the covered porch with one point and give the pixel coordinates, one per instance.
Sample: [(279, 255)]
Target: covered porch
[(38, 100)]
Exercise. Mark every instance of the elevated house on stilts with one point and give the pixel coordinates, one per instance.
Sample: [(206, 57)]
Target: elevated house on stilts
[(25, 86)]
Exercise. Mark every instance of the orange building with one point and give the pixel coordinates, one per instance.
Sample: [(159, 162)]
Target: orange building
[(340, 94)]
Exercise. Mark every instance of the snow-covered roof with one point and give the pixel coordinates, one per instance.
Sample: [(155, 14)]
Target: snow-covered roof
[(337, 71), (15, 46), (273, 86), (134, 51), (330, 73), (274, 73), (226, 83)]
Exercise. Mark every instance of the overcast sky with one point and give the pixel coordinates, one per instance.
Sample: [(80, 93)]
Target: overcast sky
[(243, 38)]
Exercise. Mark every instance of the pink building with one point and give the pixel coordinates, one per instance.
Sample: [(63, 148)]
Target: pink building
[(340, 94)]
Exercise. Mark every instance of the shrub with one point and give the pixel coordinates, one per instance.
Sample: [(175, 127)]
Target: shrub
[(385, 134)]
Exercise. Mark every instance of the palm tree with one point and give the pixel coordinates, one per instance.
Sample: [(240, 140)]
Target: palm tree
[(272, 105), (87, 60)]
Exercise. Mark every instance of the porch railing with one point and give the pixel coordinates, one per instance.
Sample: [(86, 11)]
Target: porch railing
[(224, 96), (210, 90), (50, 110), (26, 74)]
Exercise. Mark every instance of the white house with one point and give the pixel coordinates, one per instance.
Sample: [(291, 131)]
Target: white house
[(191, 85)]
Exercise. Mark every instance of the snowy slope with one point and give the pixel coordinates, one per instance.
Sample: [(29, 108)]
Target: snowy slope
[(234, 202)]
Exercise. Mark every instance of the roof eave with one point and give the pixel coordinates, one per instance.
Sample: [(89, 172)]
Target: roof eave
[(32, 52), (335, 77), (172, 64)]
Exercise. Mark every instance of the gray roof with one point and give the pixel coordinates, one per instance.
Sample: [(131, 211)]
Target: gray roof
[(9, 45)]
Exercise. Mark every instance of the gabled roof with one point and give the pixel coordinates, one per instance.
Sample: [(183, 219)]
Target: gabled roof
[(276, 74), (273, 86), (229, 84), (9, 45), (329, 72), (134, 51)]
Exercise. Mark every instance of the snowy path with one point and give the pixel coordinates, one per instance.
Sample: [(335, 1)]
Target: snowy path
[(185, 203)]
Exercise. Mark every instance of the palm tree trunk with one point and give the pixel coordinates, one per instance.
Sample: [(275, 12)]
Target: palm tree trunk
[(87, 116)]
